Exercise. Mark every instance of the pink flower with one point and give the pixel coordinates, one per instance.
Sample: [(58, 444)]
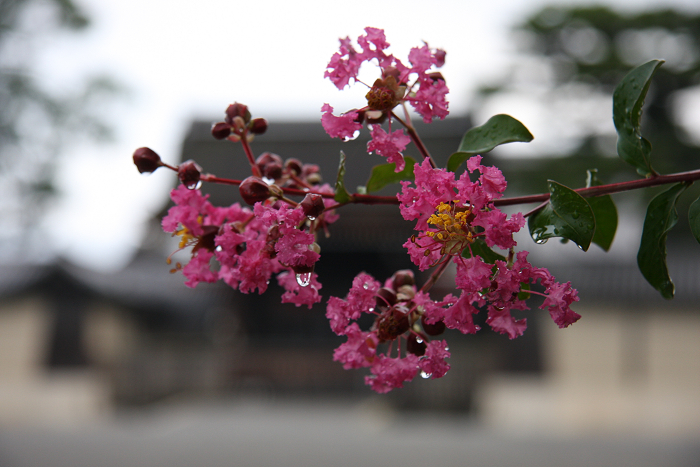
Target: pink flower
[(389, 373), (389, 145), (198, 270), (344, 65), (359, 350), (430, 101), (559, 298), (433, 363), (343, 127), (297, 294)]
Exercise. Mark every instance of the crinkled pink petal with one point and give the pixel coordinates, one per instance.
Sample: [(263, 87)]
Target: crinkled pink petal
[(359, 350), (294, 293), (390, 373), (389, 145), (198, 269), (342, 127), (501, 321), (433, 362)]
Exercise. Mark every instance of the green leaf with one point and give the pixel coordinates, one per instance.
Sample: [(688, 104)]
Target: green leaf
[(341, 194), (566, 215), (628, 100), (524, 293), (499, 129), (605, 213), (385, 174), (694, 219), (479, 248), (660, 219)]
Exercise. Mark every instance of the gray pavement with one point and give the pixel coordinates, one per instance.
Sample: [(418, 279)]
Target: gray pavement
[(318, 433)]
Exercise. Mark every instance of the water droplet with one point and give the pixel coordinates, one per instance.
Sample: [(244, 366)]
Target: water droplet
[(575, 215), (311, 218), (371, 310), (541, 241), (419, 340), (447, 347), (304, 279), (580, 247), (354, 136), (269, 181), (194, 186), (365, 286), (219, 248), (425, 375)]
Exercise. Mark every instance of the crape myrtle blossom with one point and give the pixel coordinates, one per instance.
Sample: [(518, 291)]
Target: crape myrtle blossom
[(452, 216), (397, 347), (398, 84), (250, 246)]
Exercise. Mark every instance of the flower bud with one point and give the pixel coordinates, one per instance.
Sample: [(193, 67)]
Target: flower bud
[(293, 165), (221, 130), (439, 57), (434, 329), (258, 126), (403, 277), (189, 174), (146, 160), (416, 344), (386, 297), (237, 110), (254, 189), (312, 205)]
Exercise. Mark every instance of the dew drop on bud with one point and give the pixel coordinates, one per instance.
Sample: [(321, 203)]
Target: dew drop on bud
[(425, 375), (304, 279), (311, 218), (419, 340)]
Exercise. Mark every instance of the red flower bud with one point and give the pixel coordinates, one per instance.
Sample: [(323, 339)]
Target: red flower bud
[(189, 174), (440, 57), (258, 126), (254, 189), (434, 329), (293, 165), (403, 277), (312, 205), (146, 160), (416, 344), (237, 110), (386, 297), (221, 130)]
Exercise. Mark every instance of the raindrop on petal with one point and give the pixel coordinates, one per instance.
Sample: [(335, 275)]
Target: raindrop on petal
[(304, 279), (425, 375)]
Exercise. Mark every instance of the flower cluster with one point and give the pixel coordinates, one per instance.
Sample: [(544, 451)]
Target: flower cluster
[(398, 308), (457, 221), (276, 237), (416, 84)]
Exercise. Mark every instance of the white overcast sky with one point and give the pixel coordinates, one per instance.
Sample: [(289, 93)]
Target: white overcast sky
[(183, 60)]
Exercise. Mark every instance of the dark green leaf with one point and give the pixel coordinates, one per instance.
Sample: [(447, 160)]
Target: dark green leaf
[(566, 215), (480, 248), (628, 100), (385, 174), (694, 218), (341, 194), (499, 129), (660, 219), (605, 214)]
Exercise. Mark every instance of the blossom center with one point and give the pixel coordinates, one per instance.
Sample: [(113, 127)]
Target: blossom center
[(453, 230)]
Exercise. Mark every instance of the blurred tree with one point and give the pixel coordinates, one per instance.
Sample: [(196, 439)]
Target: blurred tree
[(36, 124), (571, 59)]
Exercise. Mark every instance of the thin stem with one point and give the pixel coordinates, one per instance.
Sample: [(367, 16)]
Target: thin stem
[(434, 276), (249, 155), (416, 139), (601, 190)]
